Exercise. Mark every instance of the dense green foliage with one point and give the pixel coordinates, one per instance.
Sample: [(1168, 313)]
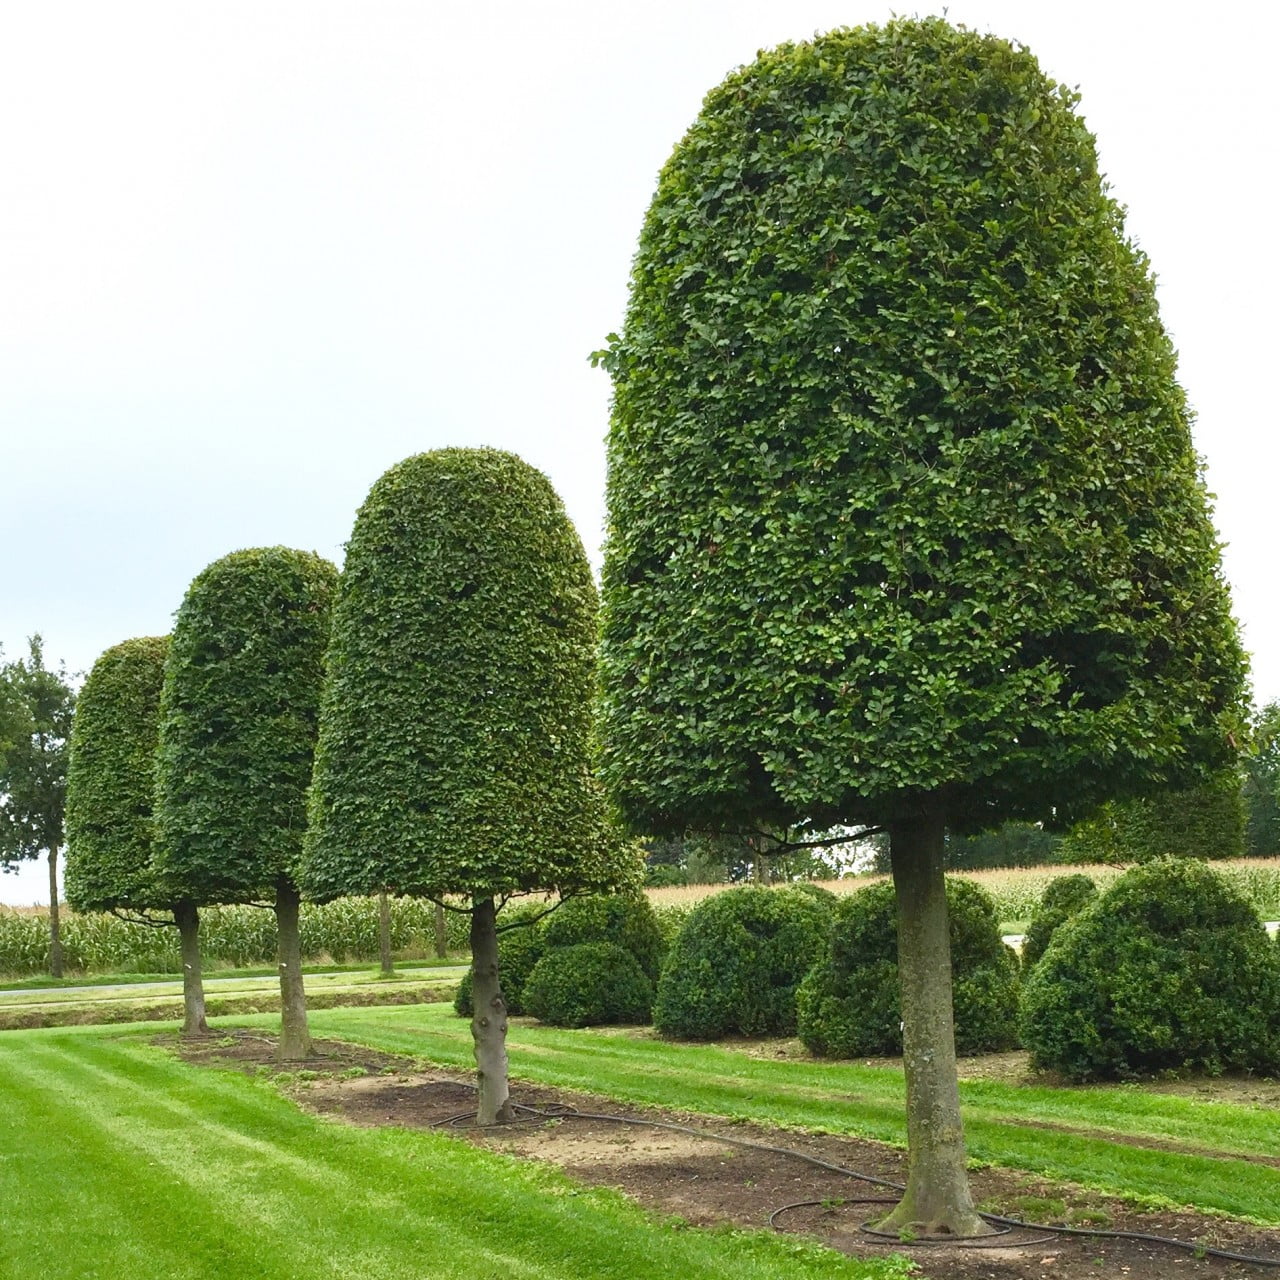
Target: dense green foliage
[(849, 1006), (454, 751), (1201, 822), (588, 984), (111, 779), (1168, 970), (1012, 844), (1262, 784), (36, 709), (735, 965), (626, 920), (1062, 899), (902, 498), (238, 717)]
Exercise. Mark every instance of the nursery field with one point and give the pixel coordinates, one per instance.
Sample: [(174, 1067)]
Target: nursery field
[(335, 1172)]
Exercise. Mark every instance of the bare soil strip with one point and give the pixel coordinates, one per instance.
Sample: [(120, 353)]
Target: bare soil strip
[(705, 1183)]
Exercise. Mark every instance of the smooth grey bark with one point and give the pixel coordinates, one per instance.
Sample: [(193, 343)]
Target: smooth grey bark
[(187, 918), (384, 934), (55, 924), (295, 1038), (489, 1019), (442, 934), (937, 1200)]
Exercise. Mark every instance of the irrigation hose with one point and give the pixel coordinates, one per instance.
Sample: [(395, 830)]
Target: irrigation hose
[(559, 1111)]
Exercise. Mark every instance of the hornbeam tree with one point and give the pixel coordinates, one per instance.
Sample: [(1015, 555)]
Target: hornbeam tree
[(238, 714), (905, 524), (111, 785), (454, 748)]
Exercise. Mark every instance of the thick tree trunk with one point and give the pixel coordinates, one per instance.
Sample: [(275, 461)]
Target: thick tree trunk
[(187, 918), (442, 934), (384, 934), (489, 1023), (937, 1200), (295, 1039), (55, 924)]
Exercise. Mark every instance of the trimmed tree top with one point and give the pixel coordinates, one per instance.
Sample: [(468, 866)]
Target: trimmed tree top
[(111, 779), (454, 742), (238, 721), (902, 496)]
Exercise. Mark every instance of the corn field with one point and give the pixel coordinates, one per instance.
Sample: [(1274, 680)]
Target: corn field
[(230, 937)]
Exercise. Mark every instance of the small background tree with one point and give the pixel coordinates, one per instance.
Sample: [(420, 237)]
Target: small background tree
[(237, 731), (906, 528), (454, 751), (1262, 784), (111, 788), (36, 709)]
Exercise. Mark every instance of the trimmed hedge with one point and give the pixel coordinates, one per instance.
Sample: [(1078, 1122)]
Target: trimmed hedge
[(736, 963), (1062, 899), (588, 984), (849, 1004), (1170, 969)]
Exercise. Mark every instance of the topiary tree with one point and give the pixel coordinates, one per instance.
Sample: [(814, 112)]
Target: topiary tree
[(111, 787), (589, 984), (905, 524), (454, 753), (1062, 898), (735, 965), (238, 715), (849, 1003), (1170, 969)]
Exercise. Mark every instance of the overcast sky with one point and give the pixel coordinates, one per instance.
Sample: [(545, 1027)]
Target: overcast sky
[(253, 254)]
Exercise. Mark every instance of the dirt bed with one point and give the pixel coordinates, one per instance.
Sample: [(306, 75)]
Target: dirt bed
[(690, 1176)]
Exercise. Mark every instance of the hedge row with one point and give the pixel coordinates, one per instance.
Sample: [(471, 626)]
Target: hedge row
[(343, 930)]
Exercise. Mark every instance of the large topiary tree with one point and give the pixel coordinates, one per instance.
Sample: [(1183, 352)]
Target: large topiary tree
[(905, 525), (111, 787), (454, 746), (238, 719)]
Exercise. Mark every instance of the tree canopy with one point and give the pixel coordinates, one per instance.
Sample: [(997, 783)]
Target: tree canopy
[(238, 715), (36, 709), (454, 750), (111, 780), (902, 498)]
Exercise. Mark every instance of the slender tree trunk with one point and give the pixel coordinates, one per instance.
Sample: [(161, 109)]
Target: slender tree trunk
[(384, 934), (489, 1023), (295, 1039), (55, 924), (187, 918), (937, 1200), (442, 934)]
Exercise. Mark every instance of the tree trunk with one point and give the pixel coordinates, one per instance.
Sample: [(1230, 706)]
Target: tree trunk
[(55, 925), (937, 1200), (384, 934), (295, 1039), (442, 934), (187, 918), (489, 1023)]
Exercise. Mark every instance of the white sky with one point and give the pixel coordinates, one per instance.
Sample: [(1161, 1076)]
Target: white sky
[(253, 254)]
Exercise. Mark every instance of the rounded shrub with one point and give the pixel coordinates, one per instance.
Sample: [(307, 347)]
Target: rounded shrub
[(625, 919), (849, 1004), (588, 984), (1063, 897), (1170, 969), (736, 962)]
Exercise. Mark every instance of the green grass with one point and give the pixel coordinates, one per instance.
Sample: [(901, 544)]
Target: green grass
[(117, 1160), (1061, 1133)]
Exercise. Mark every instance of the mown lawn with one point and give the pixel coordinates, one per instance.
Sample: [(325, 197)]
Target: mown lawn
[(1065, 1134), (117, 1160)]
